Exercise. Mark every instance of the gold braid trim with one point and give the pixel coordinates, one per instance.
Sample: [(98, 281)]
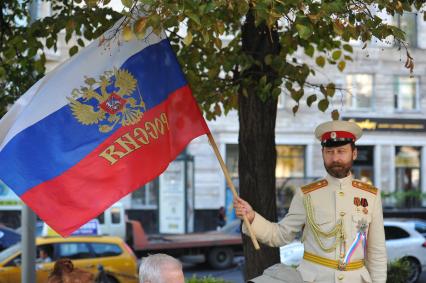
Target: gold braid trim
[(336, 232)]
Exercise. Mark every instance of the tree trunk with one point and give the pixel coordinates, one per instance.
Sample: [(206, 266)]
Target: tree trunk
[(257, 153)]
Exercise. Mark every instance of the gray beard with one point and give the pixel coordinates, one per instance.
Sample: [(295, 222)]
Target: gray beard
[(339, 172)]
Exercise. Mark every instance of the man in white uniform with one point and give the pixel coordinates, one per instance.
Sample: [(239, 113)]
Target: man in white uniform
[(341, 218)]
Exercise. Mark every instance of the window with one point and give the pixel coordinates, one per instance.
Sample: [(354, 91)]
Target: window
[(74, 250), (360, 91), (290, 161), (363, 167), (102, 250), (115, 215), (395, 233), (407, 174), (406, 94), (101, 218), (146, 196), (420, 227), (408, 24)]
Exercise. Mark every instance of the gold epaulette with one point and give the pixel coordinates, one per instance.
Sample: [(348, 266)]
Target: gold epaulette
[(314, 186), (365, 187)]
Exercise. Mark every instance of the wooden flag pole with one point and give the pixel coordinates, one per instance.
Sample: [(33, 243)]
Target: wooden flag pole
[(232, 187)]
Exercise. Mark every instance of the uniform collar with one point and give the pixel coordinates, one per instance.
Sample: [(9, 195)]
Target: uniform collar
[(343, 181)]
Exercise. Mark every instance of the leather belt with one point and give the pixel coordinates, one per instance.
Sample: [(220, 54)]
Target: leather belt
[(334, 264)]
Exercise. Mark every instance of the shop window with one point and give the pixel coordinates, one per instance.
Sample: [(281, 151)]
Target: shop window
[(290, 161), (360, 91), (407, 174), (363, 167), (147, 196), (406, 94)]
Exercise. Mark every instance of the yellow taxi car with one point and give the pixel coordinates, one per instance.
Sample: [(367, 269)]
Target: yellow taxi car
[(86, 252)]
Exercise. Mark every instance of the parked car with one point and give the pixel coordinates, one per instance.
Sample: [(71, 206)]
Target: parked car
[(405, 238), (8, 237), (86, 252)]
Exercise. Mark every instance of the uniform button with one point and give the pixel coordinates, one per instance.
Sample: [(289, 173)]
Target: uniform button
[(341, 193), (342, 213), (340, 277)]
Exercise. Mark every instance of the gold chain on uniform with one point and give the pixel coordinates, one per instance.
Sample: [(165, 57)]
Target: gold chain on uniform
[(337, 230)]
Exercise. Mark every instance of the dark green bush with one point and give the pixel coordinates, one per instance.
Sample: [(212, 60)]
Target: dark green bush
[(398, 271)]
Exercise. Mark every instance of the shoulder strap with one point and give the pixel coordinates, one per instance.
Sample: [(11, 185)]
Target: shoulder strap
[(314, 186)]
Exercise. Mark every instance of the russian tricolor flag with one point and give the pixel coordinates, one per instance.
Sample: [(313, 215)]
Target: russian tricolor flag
[(99, 126)]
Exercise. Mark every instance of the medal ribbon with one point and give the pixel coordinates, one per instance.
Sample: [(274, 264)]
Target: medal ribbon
[(361, 238)]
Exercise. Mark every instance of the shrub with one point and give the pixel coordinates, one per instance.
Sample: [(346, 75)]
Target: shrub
[(398, 271)]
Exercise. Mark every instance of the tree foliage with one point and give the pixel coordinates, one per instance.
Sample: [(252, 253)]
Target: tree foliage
[(24, 41), (211, 49)]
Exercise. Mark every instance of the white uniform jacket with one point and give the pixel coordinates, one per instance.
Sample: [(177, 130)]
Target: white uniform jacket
[(347, 201)]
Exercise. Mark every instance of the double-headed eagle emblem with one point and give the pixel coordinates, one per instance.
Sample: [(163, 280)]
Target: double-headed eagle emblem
[(108, 101)]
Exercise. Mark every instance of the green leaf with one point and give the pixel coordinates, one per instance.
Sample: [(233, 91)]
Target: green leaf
[(49, 42), (398, 33), (320, 60), (9, 53), (331, 89), (295, 109), (276, 92), (80, 42), (311, 99), (297, 95), (309, 50), (341, 66), (348, 58), (268, 59), (323, 104), (336, 54), (348, 48), (188, 39), (303, 31), (127, 3), (2, 72), (39, 66), (194, 18), (323, 90), (73, 50), (335, 115)]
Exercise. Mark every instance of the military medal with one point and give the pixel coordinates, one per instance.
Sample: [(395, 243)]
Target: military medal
[(364, 204), (357, 203), (362, 226)]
